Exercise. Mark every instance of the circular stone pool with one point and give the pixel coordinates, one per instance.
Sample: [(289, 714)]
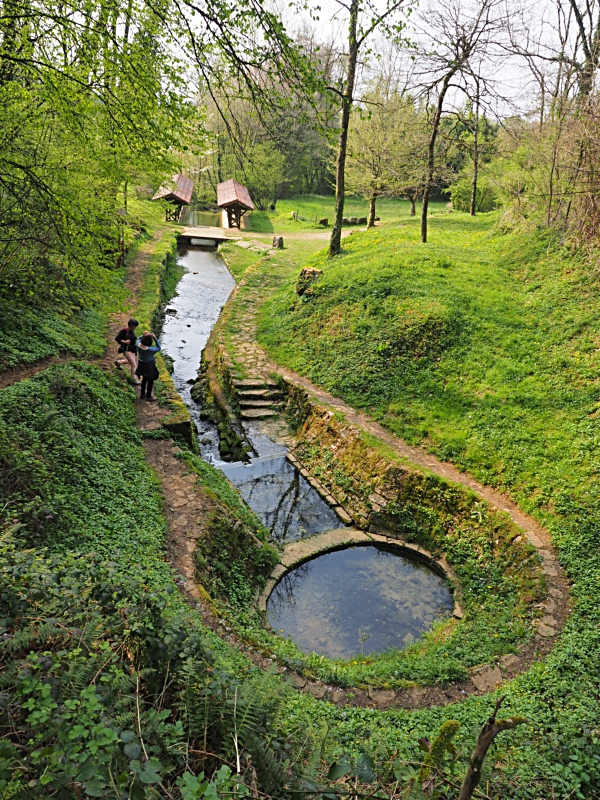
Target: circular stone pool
[(358, 600)]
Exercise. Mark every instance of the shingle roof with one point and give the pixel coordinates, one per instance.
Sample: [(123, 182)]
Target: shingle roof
[(180, 190), (230, 192)]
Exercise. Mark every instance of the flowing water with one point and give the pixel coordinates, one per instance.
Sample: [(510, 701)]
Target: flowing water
[(281, 498), (358, 600), (190, 316)]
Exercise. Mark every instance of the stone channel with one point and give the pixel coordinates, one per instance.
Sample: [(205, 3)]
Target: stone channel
[(301, 521)]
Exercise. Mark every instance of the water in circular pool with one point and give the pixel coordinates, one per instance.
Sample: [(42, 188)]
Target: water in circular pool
[(359, 600)]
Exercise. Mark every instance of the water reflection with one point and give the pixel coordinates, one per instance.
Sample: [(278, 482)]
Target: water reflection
[(276, 492), (358, 600), (211, 219), (283, 501), (191, 315)]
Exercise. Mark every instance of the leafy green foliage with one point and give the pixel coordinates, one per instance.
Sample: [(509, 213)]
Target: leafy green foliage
[(104, 495), (486, 198), (109, 682), (54, 311), (232, 560)]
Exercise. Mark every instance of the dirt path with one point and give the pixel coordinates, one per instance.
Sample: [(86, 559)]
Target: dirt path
[(10, 376)]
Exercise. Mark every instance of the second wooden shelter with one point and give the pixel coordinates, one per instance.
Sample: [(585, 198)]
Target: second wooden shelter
[(235, 200)]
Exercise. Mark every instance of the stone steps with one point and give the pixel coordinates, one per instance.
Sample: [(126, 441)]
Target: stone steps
[(258, 394), (254, 383), (256, 403), (258, 413)]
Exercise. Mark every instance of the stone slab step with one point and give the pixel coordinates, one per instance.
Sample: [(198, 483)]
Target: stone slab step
[(258, 394), (254, 383), (258, 413), (256, 403)]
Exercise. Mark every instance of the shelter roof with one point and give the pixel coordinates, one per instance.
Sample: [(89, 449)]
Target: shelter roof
[(231, 192), (179, 190)]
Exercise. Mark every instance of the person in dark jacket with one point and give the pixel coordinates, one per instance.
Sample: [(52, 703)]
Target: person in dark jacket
[(127, 341), (148, 347)]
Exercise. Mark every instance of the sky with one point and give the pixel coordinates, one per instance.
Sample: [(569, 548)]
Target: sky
[(514, 90)]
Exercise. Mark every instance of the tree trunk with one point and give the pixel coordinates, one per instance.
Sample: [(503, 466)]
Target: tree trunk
[(473, 206), (372, 201), (413, 210), (590, 44), (487, 735), (335, 243), (431, 152)]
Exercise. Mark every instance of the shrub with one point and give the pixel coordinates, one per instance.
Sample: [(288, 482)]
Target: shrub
[(486, 199)]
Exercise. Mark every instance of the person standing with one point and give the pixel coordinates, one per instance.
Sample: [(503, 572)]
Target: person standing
[(148, 347), (127, 341)]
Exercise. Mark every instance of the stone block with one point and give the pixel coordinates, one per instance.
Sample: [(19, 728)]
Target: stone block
[(343, 515), (487, 679), (377, 499), (546, 630)]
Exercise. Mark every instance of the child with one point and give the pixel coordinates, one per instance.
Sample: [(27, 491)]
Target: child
[(148, 346), (127, 341)]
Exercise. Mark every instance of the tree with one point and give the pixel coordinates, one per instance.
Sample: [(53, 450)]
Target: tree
[(372, 140), (475, 136), (387, 150), (362, 23), (93, 98), (455, 37)]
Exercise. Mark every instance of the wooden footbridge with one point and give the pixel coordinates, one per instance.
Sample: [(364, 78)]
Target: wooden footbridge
[(204, 236)]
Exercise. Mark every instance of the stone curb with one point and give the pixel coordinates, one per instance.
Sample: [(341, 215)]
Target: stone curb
[(298, 552)]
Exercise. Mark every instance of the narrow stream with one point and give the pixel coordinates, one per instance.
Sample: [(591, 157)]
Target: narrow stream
[(282, 499)]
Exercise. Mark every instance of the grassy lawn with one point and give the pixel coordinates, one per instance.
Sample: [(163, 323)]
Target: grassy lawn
[(483, 348), (311, 208)]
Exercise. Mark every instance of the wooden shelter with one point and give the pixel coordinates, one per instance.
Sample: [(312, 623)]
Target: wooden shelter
[(178, 193), (235, 199)]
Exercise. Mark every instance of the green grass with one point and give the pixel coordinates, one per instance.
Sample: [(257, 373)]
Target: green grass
[(311, 208), (478, 346)]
